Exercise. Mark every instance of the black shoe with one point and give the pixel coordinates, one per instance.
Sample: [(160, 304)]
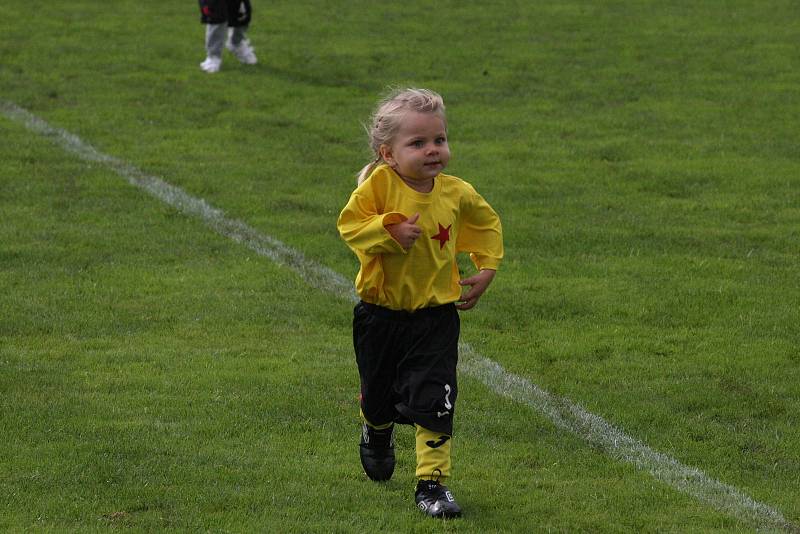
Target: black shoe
[(436, 500), (377, 452)]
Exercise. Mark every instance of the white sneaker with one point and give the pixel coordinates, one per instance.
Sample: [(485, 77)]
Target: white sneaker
[(211, 64), (244, 52)]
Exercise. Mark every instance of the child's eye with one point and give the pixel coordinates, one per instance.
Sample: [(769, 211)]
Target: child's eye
[(418, 144), (440, 140)]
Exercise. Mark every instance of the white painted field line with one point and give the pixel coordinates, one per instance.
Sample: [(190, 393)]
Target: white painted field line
[(563, 413), (317, 275), (614, 442)]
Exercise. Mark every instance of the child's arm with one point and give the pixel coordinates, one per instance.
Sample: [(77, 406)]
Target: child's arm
[(478, 284), (480, 232), (405, 232), (365, 230)]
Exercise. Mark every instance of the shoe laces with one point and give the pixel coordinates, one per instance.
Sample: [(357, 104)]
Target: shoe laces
[(434, 474), (431, 484)]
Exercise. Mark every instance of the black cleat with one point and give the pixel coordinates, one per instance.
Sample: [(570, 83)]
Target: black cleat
[(436, 500), (377, 452)]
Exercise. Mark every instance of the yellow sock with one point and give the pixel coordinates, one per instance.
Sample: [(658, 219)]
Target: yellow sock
[(433, 455)]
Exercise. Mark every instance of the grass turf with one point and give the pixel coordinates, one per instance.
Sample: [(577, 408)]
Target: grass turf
[(157, 376)]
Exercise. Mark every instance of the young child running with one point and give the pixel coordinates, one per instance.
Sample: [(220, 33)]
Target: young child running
[(226, 25), (406, 221)]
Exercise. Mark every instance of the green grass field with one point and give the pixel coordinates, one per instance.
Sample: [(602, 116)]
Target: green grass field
[(156, 375)]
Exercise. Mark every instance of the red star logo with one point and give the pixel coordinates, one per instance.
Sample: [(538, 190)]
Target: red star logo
[(443, 236)]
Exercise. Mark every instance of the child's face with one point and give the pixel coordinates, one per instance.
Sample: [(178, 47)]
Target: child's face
[(419, 151)]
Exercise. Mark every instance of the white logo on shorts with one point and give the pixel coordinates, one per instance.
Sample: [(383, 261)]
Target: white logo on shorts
[(447, 403)]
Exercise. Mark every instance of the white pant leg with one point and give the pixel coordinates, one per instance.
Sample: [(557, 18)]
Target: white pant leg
[(238, 34), (215, 39)]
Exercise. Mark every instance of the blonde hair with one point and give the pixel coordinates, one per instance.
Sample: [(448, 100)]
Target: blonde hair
[(386, 121)]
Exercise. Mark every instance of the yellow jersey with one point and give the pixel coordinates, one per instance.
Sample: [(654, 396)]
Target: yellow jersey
[(454, 218)]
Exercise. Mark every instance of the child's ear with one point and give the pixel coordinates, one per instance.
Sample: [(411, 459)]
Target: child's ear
[(386, 154)]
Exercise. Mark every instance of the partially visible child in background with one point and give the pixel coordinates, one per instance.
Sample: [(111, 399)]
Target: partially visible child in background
[(406, 222), (226, 26)]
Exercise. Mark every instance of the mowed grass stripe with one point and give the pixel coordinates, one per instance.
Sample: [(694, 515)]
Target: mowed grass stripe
[(563, 413)]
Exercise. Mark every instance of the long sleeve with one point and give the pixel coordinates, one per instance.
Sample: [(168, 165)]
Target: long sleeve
[(364, 229), (481, 233)]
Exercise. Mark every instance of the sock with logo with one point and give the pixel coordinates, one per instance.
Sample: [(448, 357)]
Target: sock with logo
[(433, 454)]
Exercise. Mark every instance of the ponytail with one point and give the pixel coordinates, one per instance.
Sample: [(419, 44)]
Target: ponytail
[(364, 173)]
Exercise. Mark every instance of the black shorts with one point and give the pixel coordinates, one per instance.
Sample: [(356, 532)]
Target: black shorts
[(233, 12), (407, 364)]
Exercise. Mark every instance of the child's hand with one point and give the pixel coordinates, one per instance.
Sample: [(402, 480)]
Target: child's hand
[(478, 285), (405, 232)]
